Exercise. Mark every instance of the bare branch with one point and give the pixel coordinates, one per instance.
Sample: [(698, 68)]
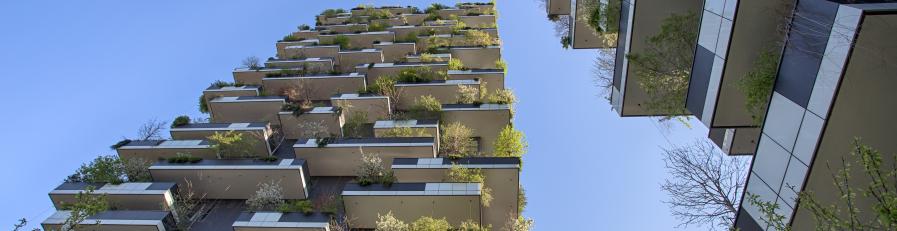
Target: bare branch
[(152, 130)]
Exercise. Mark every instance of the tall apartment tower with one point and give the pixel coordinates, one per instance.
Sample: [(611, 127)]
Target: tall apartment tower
[(393, 82)]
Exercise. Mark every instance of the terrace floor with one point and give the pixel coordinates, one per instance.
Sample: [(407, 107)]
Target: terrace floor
[(216, 215)]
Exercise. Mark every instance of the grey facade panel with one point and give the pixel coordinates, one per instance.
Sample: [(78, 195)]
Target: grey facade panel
[(808, 38), (699, 81), (623, 35)]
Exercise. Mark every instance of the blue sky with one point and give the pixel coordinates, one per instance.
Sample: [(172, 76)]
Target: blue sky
[(81, 75)]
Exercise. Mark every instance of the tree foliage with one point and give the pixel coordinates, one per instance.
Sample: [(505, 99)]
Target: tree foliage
[(232, 144), (454, 141), (664, 67), (430, 224), (355, 124), (405, 132), (510, 143), (372, 171), (86, 204), (463, 174), (269, 197), (111, 169), (757, 85), (389, 222), (426, 107)]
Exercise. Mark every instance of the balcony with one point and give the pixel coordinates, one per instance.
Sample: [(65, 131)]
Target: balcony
[(433, 57), (445, 91), (374, 72), (349, 59), (487, 120), (281, 45), (429, 127), (627, 97), (375, 107), (344, 28), (456, 202), (260, 133), (125, 196), (316, 51), (319, 86), (415, 19), (230, 91), (478, 21), (477, 57), (116, 220), (277, 221), (306, 34), (246, 109), (162, 149), (254, 77), (391, 9), (329, 117), (361, 40), (404, 32), (310, 64), (558, 7), (235, 179), (342, 156), (494, 79), (395, 21), (394, 52), (502, 176)]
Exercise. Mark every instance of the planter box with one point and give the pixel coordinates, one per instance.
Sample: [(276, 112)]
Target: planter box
[(374, 106), (116, 220), (430, 127), (343, 156), (246, 90), (445, 91), (479, 21), (125, 196), (261, 133), (322, 87), (394, 52), (493, 79), (235, 179), (456, 202), (349, 59), (246, 109), (302, 52), (486, 121), (277, 221), (502, 177), (361, 40), (311, 64), (326, 115), (152, 150)]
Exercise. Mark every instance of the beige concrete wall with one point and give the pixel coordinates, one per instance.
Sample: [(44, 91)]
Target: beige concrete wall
[(120, 201), (415, 19), (251, 77), (485, 124), (209, 95), (558, 7), (479, 21), (398, 21), (348, 60), (363, 210), (310, 52), (478, 58), (375, 108), (244, 112), (106, 227), (306, 34), (395, 52), (372, 74), (363, 40), (402, 32), (347, 28), (290, 123), (233, 183), (505, 185), (430, 131), (343, 161), (320, 88), (323, 65), (445, 94), (153, 154)]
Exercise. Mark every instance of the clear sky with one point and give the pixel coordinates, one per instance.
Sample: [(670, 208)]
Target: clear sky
[(81, 75)]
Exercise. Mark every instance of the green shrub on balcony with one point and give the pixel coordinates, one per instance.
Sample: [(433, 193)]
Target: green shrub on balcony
[(456, 64), (180, 121), (376, 27), (231, 144), (417, 75), (468, 175), (430, 224), (510, 143), (290, 38), (426, 107), (757, 85), (664, 68), (304, 27), (330, 13), (405, 132), (203, 105), (371, 171), (342, 41), (303, 206), (181, 158)]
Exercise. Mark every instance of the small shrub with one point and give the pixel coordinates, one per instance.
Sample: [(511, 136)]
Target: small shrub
[(330, 13), (203, 104), (181, 158), (430, 224), (371, 171), (454, 140), (376, 27), (757, 85), (323, 142), (456, 64), (417, 75), (180, 121), (500, 64), (269, 197), (470, 225), (342, 41), (231, 144), (433, 8), (389, 222), (291, 38), (503, 96), (405, 132), (252, 63), (304, 27), (355, 124), (303, 206), (467, 94), (510, 143), (409, 38)]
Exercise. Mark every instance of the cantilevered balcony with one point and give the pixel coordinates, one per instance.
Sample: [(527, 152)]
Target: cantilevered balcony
[(349, 59), (374, 107), (261, 134), (254, 77), (115, 220), (230, 91), (344, 28), (377, 70), (125, 196), (390, 9), (394, 21), (429, 128), (282, 45), (312, 51), (494, 79), (318, 86), (477, 57), (342, 156), (246, 109), (486, 121), (394, 52), (444, 91), (415, 19), (360, 40), (627, 96), (278, 221), (403, 32), (152, 150), (235, 179), (310, 64), (502, 177), (456, 202), (330, 117), (478, 21)]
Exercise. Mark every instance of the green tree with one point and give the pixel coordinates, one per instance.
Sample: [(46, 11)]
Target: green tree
[(389, 222), (664, 67), (430, 224), (103, 169), (463, 174), (510, 143), (426, 107), (355, 124), (86, 204), (232, 144), (454, 142), (757, 85), (405, 132)]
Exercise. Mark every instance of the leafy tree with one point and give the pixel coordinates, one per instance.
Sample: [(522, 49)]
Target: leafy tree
[(354, 126), (510, 143), (86, 204), (455, 140), (664, 67), (389, 222), (468, 94), (456, 64), (137, 169), (470, 225), (342, 41), (231, 144), (103, 169), (372, 171), (426, 107), (503, 96), (757, 85), (203, 104), (269, 197), (180, 121), (405, 132), (430, 224), (519, 223), (521, 200)]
